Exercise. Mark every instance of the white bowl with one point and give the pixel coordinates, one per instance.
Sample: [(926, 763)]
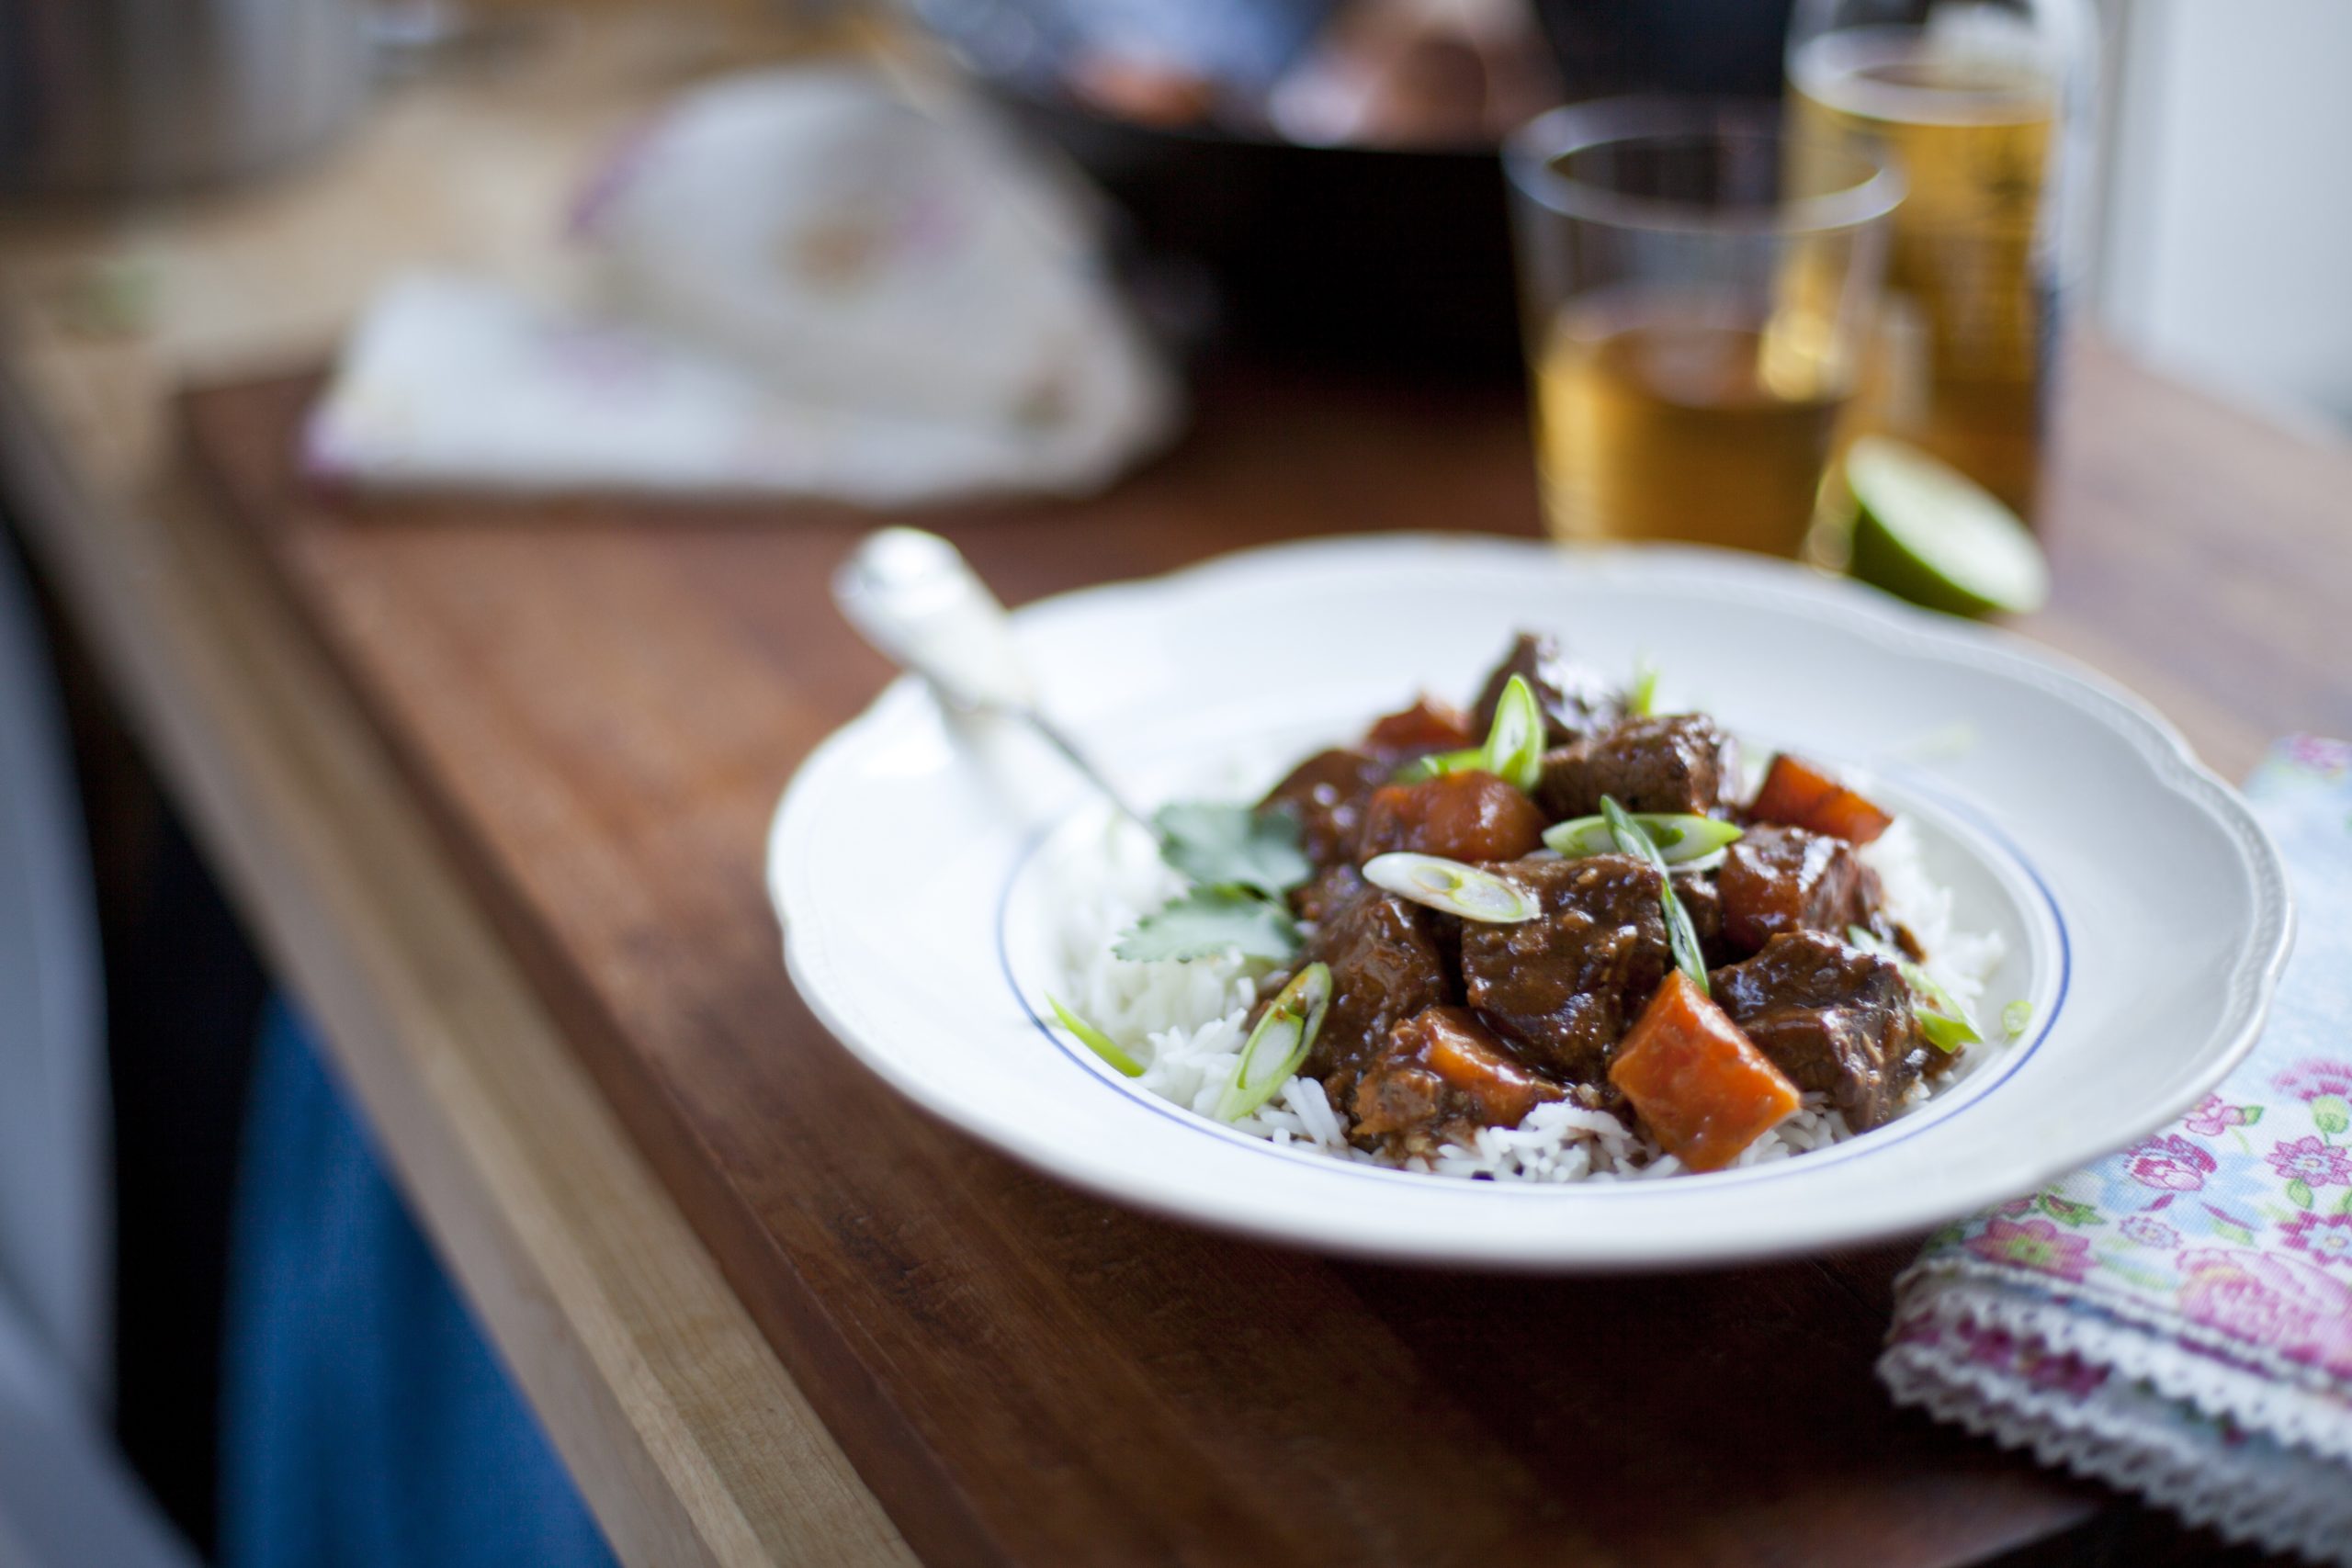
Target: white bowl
[(2146, 911)]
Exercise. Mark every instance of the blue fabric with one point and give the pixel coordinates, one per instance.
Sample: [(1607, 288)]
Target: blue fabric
[(365, 1424)]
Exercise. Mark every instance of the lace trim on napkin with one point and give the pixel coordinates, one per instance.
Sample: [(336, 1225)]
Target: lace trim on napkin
[(2243, 1486), (2218, 1375)]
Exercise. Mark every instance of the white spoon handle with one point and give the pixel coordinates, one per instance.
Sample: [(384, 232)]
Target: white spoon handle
[(914, 597), (917, 599)]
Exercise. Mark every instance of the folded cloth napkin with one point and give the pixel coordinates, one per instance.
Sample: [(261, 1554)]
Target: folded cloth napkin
[(2176, 1320), (803, 285)]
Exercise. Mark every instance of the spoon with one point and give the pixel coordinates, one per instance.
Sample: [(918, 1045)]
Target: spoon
[(914, 597)]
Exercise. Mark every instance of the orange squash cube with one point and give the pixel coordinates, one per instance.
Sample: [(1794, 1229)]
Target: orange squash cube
[(1701, 1087), (1798, 795), (1468, 815)]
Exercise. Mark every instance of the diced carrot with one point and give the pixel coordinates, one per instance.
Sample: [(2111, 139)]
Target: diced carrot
[(1792, 789), (1467, 1055), (1848, 815), (1468, 815), (1427, 726), (1701, 1087), (1798, 795)]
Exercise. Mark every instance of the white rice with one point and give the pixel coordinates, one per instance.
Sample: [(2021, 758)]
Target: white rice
[(1186, 1021)]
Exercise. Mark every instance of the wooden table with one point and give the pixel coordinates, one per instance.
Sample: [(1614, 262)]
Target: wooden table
[(489, 783)]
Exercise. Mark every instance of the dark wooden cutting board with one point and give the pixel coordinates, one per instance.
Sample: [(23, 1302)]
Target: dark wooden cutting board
[(600, 704)]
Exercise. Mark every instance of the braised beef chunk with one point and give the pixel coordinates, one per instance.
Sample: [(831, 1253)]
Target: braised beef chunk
[(1574, 701), (1333, 886), (1834, 1017), (1703, 902), (1787, 879), (1682, 763), (1327, 793), (1568, 984), (1387, 966), (1441, 1077)]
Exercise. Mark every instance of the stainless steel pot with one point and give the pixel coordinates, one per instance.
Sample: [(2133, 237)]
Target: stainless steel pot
[(103, 95)]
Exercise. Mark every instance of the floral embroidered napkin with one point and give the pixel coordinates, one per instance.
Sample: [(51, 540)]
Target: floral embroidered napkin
[(2176, 1320)]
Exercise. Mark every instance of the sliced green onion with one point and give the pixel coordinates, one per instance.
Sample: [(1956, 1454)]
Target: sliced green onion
[(1642, 700), (1438, 762), (1096, 1041), (1279, 1043), (1450, 885), (1943, 1020), (1680, 934), (1941, 1017), (1679, 840), (1514, 747), (1946, 1031), (1515, 742), (2016, 1016)]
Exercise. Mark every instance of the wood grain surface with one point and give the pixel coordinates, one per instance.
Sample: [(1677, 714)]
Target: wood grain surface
[(598, 704)]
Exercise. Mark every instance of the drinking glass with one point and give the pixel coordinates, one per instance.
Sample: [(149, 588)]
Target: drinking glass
[(1983, 104), (1698, 304)]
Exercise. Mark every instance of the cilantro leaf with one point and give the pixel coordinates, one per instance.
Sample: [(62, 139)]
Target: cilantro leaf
[(1233, 846), (1207, 921)]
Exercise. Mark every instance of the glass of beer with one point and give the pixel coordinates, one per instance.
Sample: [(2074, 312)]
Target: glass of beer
[(1978, 103), (1698, 304)]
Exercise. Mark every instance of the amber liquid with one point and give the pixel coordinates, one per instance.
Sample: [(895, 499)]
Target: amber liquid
[(1664, 417), (1961, 360)]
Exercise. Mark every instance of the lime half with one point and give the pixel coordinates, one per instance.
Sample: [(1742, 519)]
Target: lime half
[(1930, 533)]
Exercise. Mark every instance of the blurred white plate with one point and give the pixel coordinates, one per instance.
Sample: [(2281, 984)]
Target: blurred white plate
[(2146, 911)]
